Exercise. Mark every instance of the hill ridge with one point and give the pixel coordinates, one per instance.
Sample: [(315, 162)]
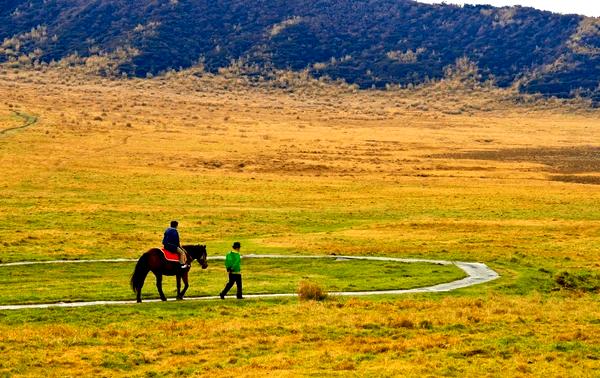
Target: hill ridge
[(369, 43)]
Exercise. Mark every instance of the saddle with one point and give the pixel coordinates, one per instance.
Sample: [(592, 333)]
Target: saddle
[(170, 256)]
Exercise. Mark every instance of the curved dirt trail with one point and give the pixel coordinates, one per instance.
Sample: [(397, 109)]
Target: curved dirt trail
[(477, 273), (28, 119)]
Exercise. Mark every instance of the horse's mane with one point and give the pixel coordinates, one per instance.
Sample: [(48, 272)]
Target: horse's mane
[(195, 250)]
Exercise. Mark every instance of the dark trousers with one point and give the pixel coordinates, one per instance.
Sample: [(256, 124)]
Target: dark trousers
[(234, 279)]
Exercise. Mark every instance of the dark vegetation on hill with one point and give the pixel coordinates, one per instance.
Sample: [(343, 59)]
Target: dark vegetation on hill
[(368, 43)]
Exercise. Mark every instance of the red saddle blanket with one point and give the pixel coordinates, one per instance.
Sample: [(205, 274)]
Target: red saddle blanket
[(170, 256)]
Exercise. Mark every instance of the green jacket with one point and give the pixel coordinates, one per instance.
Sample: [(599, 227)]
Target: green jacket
[(233, 262)]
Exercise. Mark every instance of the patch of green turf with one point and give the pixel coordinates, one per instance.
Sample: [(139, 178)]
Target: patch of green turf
[(110, 281)]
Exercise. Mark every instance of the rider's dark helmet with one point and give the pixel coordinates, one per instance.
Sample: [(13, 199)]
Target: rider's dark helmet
[(174, 223), (236, 245)]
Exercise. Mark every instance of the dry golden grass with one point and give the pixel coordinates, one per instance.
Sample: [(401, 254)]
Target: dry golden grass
[(492, 336), (326, 131)]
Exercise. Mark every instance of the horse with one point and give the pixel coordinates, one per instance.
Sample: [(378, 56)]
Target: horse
[(154, 260)]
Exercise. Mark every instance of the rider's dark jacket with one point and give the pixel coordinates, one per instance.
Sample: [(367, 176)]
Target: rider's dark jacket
[(171, 239)]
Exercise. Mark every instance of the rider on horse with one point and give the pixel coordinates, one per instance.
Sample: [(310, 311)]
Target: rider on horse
[(172, 244)]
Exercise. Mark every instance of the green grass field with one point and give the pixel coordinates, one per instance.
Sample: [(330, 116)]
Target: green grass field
[(69, 282)]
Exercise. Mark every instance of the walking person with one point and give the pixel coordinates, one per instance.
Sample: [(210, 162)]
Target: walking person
[(172, 244), (233, 262)]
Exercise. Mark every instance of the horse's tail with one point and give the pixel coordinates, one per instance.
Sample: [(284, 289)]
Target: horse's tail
[(140, 272)]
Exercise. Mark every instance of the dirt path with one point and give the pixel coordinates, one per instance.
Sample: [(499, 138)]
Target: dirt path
[(28, 120), (477, 273)]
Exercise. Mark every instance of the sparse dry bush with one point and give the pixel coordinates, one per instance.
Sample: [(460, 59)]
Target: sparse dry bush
[(405, 323), (310, 291)]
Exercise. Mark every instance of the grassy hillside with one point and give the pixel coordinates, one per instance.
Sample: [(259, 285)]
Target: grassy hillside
[(443, 172), (367, 43)]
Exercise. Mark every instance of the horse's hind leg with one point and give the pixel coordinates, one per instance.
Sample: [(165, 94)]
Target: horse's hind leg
[(159, 287)]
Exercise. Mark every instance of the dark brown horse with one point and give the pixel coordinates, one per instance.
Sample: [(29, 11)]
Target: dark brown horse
[(154, 261)]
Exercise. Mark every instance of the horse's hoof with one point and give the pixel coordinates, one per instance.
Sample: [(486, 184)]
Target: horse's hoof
[(163, 299), (179, 298)]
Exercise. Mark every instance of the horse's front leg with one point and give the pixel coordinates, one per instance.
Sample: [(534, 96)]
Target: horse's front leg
[(184, 276), (159, 287), (179, 296)]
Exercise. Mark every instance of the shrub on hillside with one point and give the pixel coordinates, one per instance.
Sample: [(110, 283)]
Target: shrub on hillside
[(579, 281), (308, 290)]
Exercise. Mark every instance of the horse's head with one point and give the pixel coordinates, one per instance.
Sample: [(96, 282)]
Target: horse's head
[(198, 252)]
